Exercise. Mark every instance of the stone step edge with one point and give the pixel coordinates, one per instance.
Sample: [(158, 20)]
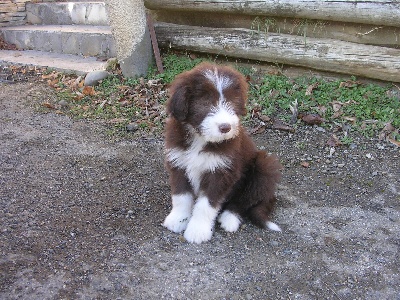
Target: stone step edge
[(60, 28), (66, 63), (84, 40)]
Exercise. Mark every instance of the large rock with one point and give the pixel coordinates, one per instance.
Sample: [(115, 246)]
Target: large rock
[(128, 23), (93, 78)]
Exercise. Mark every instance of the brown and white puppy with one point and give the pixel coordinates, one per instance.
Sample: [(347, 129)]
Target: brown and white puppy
[(214, 165)]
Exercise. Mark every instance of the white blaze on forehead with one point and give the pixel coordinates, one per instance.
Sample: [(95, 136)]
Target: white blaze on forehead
[(221, 82), (222, 113)]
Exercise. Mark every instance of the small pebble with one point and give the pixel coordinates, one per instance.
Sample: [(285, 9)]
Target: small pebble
[(63, 104), (132, 127), (274, 243)]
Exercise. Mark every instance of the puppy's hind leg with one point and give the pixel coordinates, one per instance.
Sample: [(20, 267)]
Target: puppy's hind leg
[(229, 221)]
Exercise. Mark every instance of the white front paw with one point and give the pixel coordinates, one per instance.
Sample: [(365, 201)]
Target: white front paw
[(176, 221), (198, 232), (230, 222)]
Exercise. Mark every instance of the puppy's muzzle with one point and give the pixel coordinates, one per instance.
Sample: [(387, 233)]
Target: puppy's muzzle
[(224, 127)]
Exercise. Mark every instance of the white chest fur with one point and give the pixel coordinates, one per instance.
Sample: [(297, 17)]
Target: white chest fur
[(196, 162)]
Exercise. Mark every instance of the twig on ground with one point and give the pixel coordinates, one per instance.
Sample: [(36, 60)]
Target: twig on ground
[(295, 112)]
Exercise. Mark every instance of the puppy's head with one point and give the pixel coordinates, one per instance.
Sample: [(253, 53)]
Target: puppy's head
[(211, 99)]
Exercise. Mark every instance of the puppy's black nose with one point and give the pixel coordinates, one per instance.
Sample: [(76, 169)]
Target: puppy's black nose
[(224, 127)]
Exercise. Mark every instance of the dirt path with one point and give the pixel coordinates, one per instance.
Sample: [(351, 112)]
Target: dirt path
[(81, 214)]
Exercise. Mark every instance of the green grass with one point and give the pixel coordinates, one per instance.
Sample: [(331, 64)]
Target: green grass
[(119, 100), (358, 102), (174, 65)]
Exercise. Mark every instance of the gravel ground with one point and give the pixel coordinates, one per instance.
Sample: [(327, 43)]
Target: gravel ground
[(81, 214)]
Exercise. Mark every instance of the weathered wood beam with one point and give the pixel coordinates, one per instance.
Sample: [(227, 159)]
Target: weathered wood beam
[(320, 54), (377, 12)]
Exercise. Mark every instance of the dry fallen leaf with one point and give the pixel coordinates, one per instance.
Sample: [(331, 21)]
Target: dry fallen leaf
[(386, 131), (334, 141), (264, 118), (305, 164), (394, 142), (310, 88), (312, 119), (349, 83), (88, 91), (322, 109), (350, 119), (258, 129), (117, 120), (48, 105), (280, 125), (52, 83), (336, 106)]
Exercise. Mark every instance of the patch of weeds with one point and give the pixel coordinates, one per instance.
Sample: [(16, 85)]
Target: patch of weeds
[(263, 24), (301, 145), (174, 65), (346, 140), (120, 101), (368, 107), (305, 26)]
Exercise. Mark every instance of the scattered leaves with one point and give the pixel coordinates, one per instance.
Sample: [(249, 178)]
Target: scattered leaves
[(7, 46)]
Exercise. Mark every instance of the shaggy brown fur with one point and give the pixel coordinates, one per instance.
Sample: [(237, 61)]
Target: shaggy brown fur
[(245, 188)]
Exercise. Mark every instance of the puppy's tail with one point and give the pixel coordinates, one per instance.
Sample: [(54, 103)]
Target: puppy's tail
[(273, 226)]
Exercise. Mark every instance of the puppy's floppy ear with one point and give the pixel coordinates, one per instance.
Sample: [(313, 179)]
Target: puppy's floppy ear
[(178, 103)]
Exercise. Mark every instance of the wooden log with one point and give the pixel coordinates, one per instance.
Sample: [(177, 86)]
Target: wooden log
[(377, 12), (320, 54), (350, 32)]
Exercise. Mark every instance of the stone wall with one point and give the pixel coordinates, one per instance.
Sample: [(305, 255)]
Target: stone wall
[(12, 12)]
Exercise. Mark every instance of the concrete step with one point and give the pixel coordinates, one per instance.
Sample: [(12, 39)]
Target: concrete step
[(67, 13), (61, 62), (83, 40)]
